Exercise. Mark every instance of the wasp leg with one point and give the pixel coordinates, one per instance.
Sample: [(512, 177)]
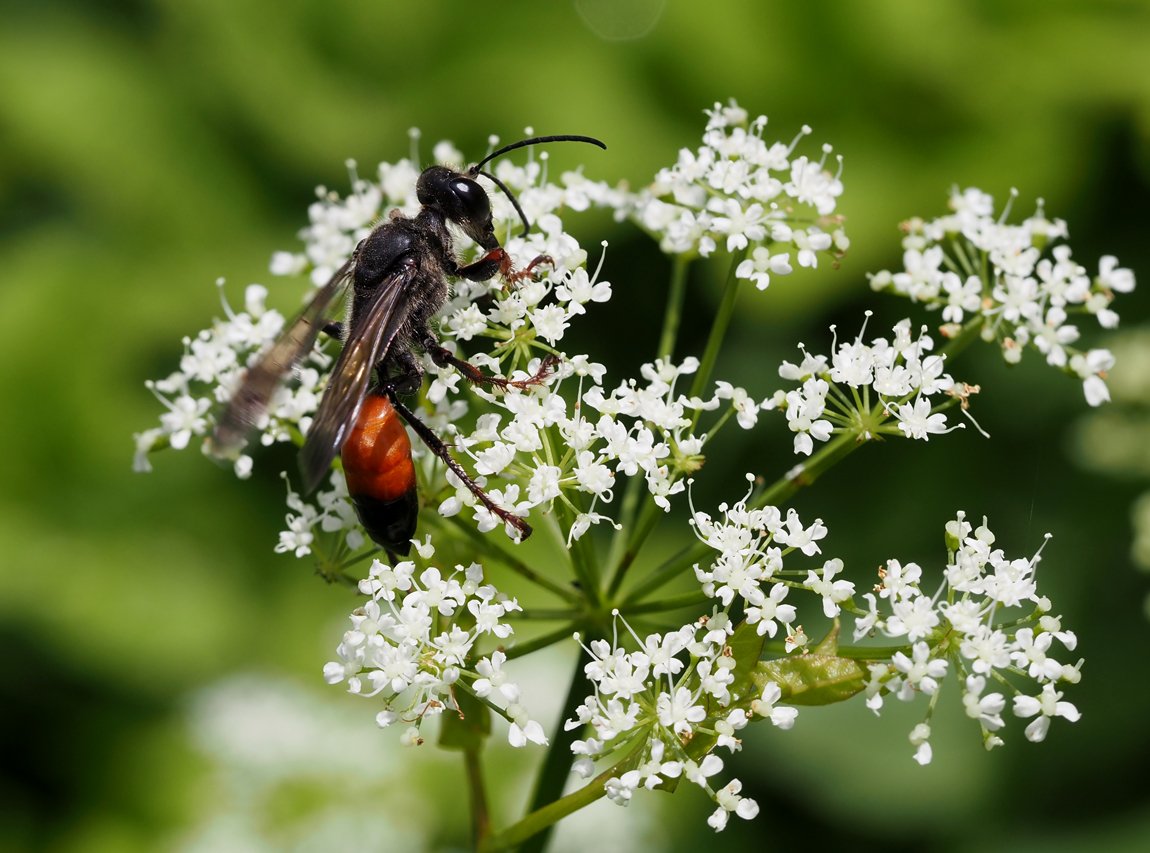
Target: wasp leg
[(474, 375), (405, 374), (435, 445), (498, 261), (486, 267), (512, 276)]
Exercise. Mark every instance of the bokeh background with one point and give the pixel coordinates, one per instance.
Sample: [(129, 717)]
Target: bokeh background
[(159, 666)]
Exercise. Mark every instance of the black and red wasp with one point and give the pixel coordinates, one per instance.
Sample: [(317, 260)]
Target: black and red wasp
[(398, 277)]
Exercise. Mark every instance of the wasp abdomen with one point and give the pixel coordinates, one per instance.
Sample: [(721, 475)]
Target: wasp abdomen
[(381, 476)]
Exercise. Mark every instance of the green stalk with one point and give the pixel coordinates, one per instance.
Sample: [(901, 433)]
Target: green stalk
[(675, 602), (970, 333), (648, 519), (673, 313), (582, 556), (550, 638), (552, 777), (480, 815), (539, 822), (718, 328)]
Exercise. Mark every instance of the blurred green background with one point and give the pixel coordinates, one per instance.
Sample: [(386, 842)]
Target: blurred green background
[(161, 667)]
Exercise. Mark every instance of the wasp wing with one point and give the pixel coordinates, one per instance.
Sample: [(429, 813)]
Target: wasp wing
[(367, 344), (252, 399)]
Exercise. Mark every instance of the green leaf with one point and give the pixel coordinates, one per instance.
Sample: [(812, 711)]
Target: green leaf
[(466, 728), (819, 677)]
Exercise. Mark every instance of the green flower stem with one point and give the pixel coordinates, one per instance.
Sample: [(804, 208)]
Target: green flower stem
[(675, 602), (357, 559), (583, 561), (490, 546), (546, 613), (648, 519), (672, 315), (537, 824), (480, 815), (970, 333), (833, 452), (780, 491), (563, 632), (718, 328), (674, 310), (630, 505)]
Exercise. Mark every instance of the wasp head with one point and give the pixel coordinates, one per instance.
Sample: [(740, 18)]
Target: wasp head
[(460, 199)]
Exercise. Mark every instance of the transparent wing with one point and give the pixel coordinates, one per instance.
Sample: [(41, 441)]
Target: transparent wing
[(251, 400), (367, 344)]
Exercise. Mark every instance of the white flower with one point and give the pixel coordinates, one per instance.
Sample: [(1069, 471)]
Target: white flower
[(833, 592), (1044, 707), (678, 711), (764, 706), (730, 801)]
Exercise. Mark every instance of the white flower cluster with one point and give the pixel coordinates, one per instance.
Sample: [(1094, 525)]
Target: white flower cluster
[(560, 450), (1000, 273), (210, 370), (665, 700), (750, 195), (835, 394), (331, 513), (752, 544), (971, 625), (413, 644), (541, 445)]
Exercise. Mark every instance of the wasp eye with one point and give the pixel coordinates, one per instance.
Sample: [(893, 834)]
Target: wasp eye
[(473, 201)]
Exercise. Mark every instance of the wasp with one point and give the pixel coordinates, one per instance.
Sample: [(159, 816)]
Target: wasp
[(398, 279)]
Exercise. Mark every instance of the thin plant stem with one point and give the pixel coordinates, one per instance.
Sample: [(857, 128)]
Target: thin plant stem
[(550, 638), (553, 774), (480, 814), (673, 313), (540, 821), (718, 328), (780, 491), (674, 602), (648, 519), (672, 316), (582, 556)]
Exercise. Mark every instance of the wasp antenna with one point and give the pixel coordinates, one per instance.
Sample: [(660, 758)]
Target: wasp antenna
[(534, 140), (477, 169), (511, 196)]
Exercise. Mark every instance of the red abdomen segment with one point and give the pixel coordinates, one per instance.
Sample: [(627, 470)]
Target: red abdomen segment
[(380, 475)]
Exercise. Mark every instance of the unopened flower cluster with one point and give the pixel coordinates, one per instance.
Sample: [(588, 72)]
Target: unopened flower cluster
[(894, 385), (970, 264), (976, 627), (657, 699), (412, 646), (748, 195)]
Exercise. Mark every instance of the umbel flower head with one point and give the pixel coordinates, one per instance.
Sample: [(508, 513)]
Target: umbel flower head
[(408, 647), (1018, 282), (673, 683), (747, 194), (565, 440)]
